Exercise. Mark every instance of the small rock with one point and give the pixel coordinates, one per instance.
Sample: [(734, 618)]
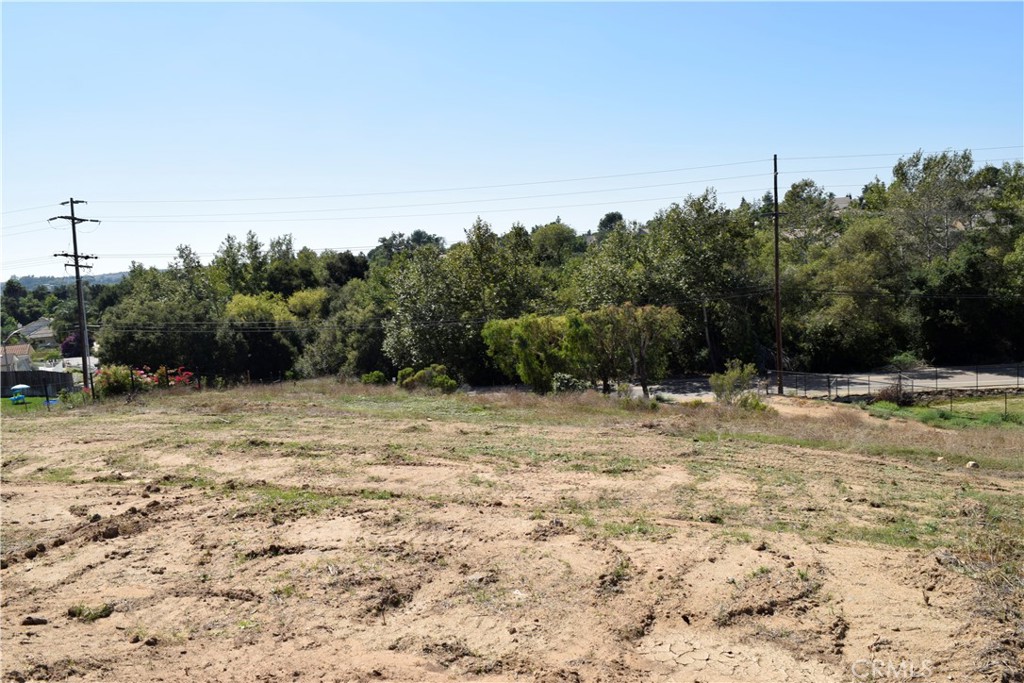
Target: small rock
[(95, 518), (34, 621), (761, 546), (31, 553), (111, 532), (940, 459), (41, 547), (151, 641), (512, 630), (972, 465)]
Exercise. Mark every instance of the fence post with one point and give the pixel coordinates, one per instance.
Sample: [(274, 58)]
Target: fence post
[(976, 385), (1006, 405), (950, 400), (828, 386), (936, 379), (46, 396)]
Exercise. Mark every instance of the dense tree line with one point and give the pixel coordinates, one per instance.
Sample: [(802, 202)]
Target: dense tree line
[(931, 264)]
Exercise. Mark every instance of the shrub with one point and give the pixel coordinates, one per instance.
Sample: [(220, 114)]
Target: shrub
[(113, 380), (71, 399), (730, 386), (894, 394), (434, 377), (562, 383), (638, 403), (71, 346), (375, 377), (749, 400)]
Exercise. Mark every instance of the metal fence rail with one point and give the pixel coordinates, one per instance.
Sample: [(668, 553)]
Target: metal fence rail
[(972, 378)]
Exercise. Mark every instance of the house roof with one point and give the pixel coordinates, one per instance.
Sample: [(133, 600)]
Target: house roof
[(17, 350), (38, 329)]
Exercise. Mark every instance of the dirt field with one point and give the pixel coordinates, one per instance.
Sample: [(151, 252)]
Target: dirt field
[(317, 532)]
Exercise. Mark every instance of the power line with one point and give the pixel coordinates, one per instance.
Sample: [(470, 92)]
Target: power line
[(460, 201), (899, 154), (31, 208), (433, 190), (504, 185)]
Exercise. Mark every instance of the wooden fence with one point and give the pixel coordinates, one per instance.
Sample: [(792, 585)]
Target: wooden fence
[(40, 382)]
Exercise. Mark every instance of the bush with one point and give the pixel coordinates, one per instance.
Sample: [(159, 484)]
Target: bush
[(71, 346), (730, 386), (894, 395), (562, 383), (375, 377), (72, 399), (113, 380), (434, 377), (638, 403), (751, 401)]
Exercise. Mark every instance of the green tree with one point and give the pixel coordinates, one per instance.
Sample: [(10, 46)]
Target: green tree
[(648, 335), (934, 200), (165, 317), (262, 333)]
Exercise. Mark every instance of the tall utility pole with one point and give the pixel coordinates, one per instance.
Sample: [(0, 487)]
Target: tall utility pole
[(77, 262), (778, 293)]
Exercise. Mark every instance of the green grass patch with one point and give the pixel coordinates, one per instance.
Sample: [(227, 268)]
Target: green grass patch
[(289, 502), (638, 526), (966, 414), (32, 404), (58, 475), (87, 614)]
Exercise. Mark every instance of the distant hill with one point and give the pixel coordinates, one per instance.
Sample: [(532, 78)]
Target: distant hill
[(30, 282)]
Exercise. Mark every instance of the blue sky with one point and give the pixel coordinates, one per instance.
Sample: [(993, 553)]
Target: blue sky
[(140, 107)]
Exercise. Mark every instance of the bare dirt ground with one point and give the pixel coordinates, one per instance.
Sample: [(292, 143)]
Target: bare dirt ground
[(321, 533)]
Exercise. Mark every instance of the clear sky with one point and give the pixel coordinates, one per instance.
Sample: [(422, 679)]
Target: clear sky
[(338, 123)]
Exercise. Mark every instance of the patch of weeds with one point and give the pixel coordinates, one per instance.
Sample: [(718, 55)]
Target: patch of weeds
[(899, 531), (606, 501), (376, 494), (760, 571), (638, 526), (623, 465), (612, 580), (58, 475), (736, 536), (247, 625), (477, 480), (570, 504), (87, 614), (289, 501), (284, 592)]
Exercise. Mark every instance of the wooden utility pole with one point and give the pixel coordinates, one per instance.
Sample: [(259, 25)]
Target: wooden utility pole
[(83, 333), (778, 293)]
